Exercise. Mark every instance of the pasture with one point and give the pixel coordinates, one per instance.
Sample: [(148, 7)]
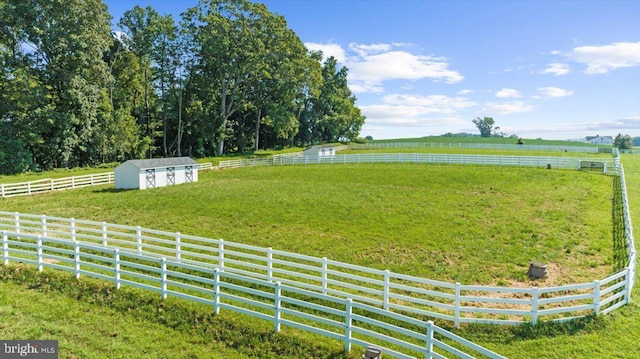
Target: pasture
[(456, 223)]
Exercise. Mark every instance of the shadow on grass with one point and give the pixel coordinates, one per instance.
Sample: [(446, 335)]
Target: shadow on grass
[(113, 190), (528, 331), (177, 314)]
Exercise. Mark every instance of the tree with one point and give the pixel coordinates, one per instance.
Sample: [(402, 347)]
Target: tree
[(143, 29), (338, 118), (485, 125), (56, 52), (227, 49), (623, 142)]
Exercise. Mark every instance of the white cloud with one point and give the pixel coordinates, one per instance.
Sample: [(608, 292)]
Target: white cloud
[(603, 59), (416, 110), (554, 92), (505, 108), (370, 65), (465, 92), (366, 86), (508, 93), (557, 69), (393, 65), (328, 50), (364, 50)]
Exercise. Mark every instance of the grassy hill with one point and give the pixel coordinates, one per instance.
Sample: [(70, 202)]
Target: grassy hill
[(468, 224)]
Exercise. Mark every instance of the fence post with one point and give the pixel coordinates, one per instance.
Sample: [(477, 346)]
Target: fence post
[(104, 234), (456, 313), (43, 220), (73, 182), (221, 254), (628, 285), (596, 297), (52, 187), (178, 247), (29, 187), (429, 345), (139, 239), (91, 179), (324, 275), (16, 221), (534, 305), (348, 324), (76, 259), (163, 277), (385, 293), (216, 291), (72, 223), (39, 252), (270, 265), (116, 259), (277, 303), (2, 189), (5, 248)]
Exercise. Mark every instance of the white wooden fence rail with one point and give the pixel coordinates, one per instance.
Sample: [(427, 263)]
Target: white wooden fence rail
[(58, 184), (492, 146), (343, 319), (425, 158), (390, 291)]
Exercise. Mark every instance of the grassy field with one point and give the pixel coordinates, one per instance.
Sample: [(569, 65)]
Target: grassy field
[(377, 215), (472, 225), (495, 140), (479, 151)]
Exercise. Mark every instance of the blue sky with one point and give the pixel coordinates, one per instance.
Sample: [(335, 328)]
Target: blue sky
[(550, 69)]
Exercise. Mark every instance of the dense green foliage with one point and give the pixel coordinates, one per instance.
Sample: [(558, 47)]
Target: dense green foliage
[(229, 77), (623, 142)]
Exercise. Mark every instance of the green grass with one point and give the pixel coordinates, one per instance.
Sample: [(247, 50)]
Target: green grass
[(388, 216), (467, 224), (480, 151), (610, 336), (494, 140), (90, 319)]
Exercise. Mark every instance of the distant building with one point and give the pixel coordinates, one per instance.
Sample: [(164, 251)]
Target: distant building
[(157, 172), (599, 140), (321, 151)]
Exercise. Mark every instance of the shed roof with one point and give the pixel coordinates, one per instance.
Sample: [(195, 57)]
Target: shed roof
[(162, 162)]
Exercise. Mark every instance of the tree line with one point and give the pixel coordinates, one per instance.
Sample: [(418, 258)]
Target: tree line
[(228, 77)]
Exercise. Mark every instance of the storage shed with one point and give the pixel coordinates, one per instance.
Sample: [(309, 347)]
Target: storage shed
[(320, 151), (157, 172)]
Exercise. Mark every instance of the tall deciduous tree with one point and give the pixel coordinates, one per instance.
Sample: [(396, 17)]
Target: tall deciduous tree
[(338, 117), (142, 27), (60, 47), (227, 50)]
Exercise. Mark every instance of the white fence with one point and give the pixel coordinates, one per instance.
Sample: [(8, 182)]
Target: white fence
[(343, 319), (58, 184), (426, 158), (389, 291), (491, 146)]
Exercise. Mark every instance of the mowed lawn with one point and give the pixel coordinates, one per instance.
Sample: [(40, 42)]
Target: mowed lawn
[(467, 224), (458, 223)]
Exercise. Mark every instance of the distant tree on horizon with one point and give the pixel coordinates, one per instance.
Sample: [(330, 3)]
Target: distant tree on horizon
[(485, 125), (623, 142)]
